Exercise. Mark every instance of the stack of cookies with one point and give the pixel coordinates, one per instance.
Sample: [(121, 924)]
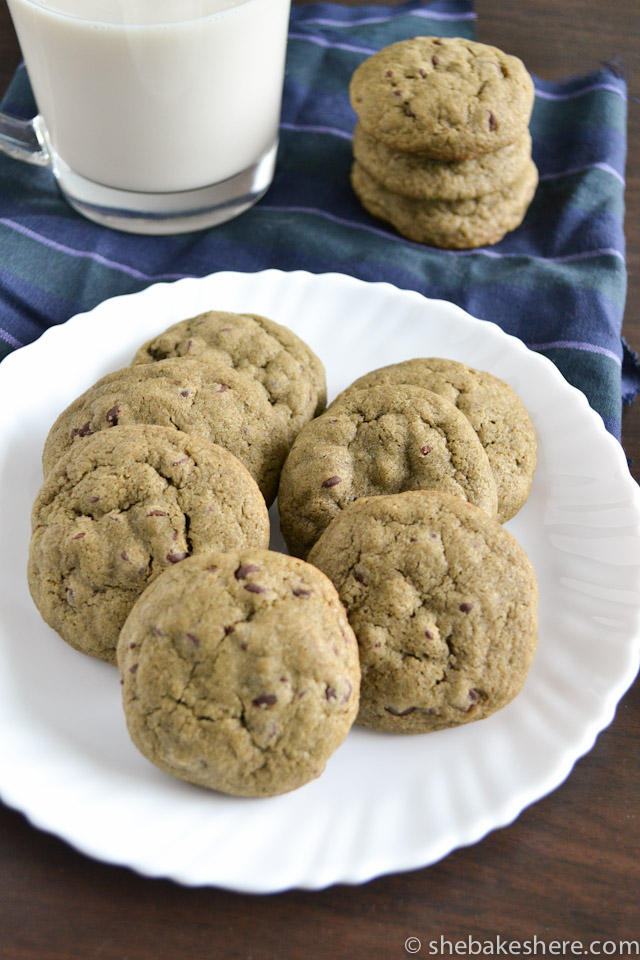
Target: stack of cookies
[(442, 149)]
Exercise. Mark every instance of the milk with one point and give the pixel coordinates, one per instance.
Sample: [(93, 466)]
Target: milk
[(156, 95)]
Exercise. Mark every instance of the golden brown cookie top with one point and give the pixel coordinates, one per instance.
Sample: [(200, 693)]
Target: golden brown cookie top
[(383, 440), (448, 99), (118, 509), (240, 672), (207, 399), (491, 406), (292, 376), (443, 601)]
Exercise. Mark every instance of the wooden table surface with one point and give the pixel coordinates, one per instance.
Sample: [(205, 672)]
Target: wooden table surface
[(567, 869)]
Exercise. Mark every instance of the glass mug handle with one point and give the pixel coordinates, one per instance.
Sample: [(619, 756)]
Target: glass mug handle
[(24, 140)]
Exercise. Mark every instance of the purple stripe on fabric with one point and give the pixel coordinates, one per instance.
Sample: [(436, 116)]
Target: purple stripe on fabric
[(311, 128), (572, 94), (494, 254), (321, 42), (87, 255), (576, 345), (9, 338), (588, 166), (425, 14)]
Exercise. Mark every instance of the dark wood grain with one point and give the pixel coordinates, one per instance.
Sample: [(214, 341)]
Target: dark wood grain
[(567, 869)]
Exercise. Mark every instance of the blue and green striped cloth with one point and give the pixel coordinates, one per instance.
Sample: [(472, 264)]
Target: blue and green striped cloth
[(558, 282)]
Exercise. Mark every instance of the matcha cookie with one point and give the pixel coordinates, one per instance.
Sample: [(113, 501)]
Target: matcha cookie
[(493, 409), (240, 672), (379, 441), (452, 225), (121, 507), (209, 400), (414, 176), (443, 601), (448, 99), (291, 374)]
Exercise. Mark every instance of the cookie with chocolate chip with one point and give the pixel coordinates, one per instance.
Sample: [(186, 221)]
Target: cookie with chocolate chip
[(240, 672), (445, 98), (121, 507), (207, 399), (411, 175), (291, 375), (381, 440), (443, 601), (491, 406), (449, 224)]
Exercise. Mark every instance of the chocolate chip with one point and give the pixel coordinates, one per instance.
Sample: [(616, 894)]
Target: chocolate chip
[(228, 630), (124, 555), (93, 499), (388, 73), (264, 700), (408, 111), (358, 576), (435, 60), (255, 588), (493, 123), (474, 696), (69, 595), (175, 556), (301, 592), (79, 536), (194, 640), (157, 513), (82, 431), (223, 388), (211, 569), (438, 41), (184, 393), (425, 450), (428, 634), (330, 693), (331, 481), (466, 607), (176, 463), (133, 668), (399, 713), (246, 569), (112, 416), (224, 330), (397, 93), (132, 646)]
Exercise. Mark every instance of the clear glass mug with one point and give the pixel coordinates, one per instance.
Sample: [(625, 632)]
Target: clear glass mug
[(157, 116)]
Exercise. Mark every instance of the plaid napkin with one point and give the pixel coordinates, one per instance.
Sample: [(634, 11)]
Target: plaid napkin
[(558, 282)]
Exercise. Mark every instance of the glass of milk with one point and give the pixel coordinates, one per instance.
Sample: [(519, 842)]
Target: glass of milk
[(157, 116)]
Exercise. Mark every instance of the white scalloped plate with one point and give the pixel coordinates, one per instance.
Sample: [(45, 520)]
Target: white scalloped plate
[(384, 803)]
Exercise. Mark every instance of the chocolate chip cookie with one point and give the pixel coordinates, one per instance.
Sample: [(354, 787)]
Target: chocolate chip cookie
[(414, 176), (207, 399), (240, 672), (121, 507), (443, 601), (290, 373), (450, 224), (493, 409), (444, 98), (378, 441)]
